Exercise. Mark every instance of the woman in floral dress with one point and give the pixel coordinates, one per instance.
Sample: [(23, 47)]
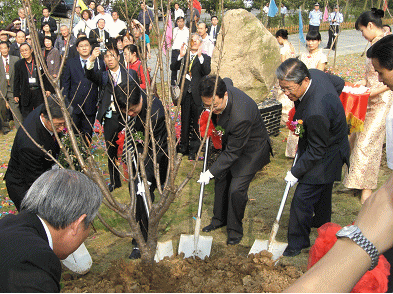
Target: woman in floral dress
[(366, 146)]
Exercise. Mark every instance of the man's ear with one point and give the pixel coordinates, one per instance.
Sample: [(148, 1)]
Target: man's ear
[(76, 225)]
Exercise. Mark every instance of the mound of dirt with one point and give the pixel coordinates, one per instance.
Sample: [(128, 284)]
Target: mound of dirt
[(228, 273)]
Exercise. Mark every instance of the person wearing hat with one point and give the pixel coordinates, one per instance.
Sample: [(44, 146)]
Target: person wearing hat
[(315, 17), (335, 19)]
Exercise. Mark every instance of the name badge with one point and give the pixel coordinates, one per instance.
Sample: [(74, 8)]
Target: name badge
[(7, 76), (32, 80)]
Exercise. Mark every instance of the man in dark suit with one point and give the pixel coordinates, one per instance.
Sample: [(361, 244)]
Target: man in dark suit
[(27, 160), (214, 29), (54, 221), (191, 103), (46, 18), (7, 73), (322, 150), (107, 111), (80, 92), (246, 149), (19, 40), (99, 37), (133, 103), (27, 87)]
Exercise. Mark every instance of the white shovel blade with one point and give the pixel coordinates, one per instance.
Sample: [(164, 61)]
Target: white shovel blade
[(79, 261), (163, 249), (187, 246), (276, 248)]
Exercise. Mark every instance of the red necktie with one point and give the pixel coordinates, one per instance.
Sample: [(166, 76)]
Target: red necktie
[(7, 70)]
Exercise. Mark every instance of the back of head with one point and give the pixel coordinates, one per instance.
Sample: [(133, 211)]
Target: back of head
[(313, 35), (293, 70), (127, 94), (61, 196), (54, 108), (374, 16), (282, 33), (206, 86), (383, 52)]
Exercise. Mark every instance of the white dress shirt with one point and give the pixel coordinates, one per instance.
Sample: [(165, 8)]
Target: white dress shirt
[(116, 27), (180, 37)]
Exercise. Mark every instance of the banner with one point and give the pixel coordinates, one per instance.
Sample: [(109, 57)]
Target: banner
[(326, 14), (82, 5), (301, 36), (168, 34), (273, 9)]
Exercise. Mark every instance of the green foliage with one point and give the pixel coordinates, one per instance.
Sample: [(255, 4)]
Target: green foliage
[(133, 7), (9, 11), (213, 6), (66, 140)]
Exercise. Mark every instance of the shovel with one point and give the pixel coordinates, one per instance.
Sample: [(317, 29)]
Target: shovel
[(196, 245), (271, 245), (163, 248)]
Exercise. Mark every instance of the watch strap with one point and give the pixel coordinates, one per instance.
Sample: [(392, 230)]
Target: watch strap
[(369, 247)]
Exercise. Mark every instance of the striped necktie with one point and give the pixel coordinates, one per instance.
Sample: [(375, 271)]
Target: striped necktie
[(128, 147)]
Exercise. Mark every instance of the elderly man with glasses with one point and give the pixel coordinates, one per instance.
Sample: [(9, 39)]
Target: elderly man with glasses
[(27, 160), (323, 147)]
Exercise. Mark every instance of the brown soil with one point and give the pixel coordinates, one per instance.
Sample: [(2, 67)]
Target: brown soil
[(229, 272)]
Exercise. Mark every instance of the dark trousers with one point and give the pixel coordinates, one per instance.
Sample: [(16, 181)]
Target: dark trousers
[(84, 123), (36, 99), (333, 31), (311, 207), (5, 126), (230, 202), (190, 112), (112, 127), (16, 192), (175, 55), (313, 28)]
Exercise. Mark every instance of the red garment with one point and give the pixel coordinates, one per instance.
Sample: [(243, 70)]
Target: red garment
[(137, 66)]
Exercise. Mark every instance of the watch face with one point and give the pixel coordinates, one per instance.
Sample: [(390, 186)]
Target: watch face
[(347, 231)]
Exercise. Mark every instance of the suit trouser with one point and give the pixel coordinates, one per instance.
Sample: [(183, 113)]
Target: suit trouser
[(307, 201), (36, 99), (5, 126), (190, 113), (175, 55), (112, 127), (16, 192), (313, 28), (14, 109), (84, 123), (230, 202), (333, 31)]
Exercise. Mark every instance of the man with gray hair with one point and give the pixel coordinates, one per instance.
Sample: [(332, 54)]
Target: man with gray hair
[(63, 39), (323, 147), (28, 161), (54, 221)]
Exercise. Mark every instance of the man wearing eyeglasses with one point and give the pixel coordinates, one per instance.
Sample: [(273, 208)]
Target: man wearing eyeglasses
[(27, 160), (323, 147)]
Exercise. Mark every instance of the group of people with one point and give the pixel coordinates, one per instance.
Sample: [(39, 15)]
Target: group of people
[(107, 82)]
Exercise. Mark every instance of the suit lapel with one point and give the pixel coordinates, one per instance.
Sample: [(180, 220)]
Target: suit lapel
[(224, 117), (2, 71)]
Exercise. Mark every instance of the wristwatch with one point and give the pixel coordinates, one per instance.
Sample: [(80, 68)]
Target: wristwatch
[(353, 232)]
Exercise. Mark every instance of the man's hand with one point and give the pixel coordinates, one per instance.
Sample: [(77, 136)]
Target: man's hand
[(205, 177), (141, 189), (94, 54), (200, 50), (7, 105), (16, 99), (183, 50), (291, 179), (47, 93)]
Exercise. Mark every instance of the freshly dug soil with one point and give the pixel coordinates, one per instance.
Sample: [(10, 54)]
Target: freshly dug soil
[(221, 273)]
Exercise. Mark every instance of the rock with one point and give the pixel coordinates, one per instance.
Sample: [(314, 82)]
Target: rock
[(119, 289), (247, 281), (250, 54)]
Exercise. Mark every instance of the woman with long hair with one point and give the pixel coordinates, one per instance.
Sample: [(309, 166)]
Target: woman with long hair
[(287, 50), (366, 146), (84, 25), (131, 57), (314, 58)]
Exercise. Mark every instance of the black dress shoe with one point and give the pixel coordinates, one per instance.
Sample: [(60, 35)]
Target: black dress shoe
[(211, 228), (113, 187), (291, 252), (234, 241), (135, 254)]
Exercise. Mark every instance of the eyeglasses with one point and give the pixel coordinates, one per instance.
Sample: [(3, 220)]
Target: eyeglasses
[(292, 88), (59, 125)]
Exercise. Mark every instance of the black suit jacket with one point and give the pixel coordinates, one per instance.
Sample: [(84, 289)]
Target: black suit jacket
[(246, 145), (198, 71), (105, 82), (21, 83), (28, 263), (95, 34), (80, 92), (14, 50), (27, 161), (217, 31), (324, 146), (52, 23)]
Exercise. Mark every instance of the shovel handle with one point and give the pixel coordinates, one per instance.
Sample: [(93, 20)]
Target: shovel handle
[(203, 184)]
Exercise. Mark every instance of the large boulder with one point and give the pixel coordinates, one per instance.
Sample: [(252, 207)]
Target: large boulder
[(250, 54)]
